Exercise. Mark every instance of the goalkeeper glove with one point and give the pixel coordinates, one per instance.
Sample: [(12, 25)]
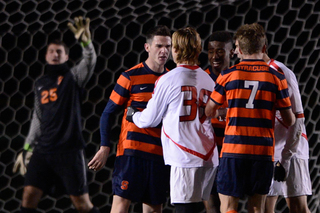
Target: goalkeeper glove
[(130, 112), (22, 162), (81, 29), (279, 172)]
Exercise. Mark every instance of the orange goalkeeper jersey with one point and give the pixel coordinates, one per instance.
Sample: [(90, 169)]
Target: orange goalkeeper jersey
[(254, 91)]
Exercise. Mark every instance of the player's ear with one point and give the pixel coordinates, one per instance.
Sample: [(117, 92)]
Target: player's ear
[(147, 47), (264, 49), (231, 53)]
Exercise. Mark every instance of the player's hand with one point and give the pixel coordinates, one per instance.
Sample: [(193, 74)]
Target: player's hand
[(279, 172), (130, 112), (222, 113), (81, 29), (100, 158), (22, 162)]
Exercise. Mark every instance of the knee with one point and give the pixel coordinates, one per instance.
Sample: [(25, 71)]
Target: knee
[(82, 203), (83, 207), (299, 209), (31, 197)]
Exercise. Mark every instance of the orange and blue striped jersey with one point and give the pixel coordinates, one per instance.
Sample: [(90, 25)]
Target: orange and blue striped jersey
[(254, 91), (134, 88), (218, 124)]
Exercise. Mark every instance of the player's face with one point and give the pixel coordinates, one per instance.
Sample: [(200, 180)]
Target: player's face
[(237, 51), (219, 54), (56, 54), (159, 49)]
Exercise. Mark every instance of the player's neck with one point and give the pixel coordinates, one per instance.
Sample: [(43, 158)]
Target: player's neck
[(266, 58), (257, 56), (216, 72), (186, 63), (155, 67)]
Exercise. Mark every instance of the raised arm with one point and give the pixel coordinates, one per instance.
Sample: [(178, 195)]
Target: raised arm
[(84, 70)]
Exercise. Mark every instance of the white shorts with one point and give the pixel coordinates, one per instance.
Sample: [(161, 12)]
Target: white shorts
[(298, 182), (190, 185)]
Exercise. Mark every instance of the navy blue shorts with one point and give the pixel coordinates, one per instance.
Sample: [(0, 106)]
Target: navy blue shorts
[(214, 186), (141, 180), (238, 177), (46, 170)]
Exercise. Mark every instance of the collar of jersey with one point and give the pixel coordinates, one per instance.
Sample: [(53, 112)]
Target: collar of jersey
[(191, 67), (252, 60), (59, 69)]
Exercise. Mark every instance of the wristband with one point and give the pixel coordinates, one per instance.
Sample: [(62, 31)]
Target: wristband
[(27, 147), (84, 44)]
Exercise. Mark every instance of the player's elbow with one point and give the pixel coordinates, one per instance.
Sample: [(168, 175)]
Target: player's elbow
[(210, 110), (142, 125), (288, 117), (139, 122), (290, 121)]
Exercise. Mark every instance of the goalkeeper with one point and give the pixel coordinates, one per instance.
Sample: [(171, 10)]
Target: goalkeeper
[(55, 138)]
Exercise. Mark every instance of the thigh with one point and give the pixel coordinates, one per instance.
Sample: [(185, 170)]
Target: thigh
[(157, 183), (128, 178), (276, 188), (31, 197), (298, 204), (231, 177), (237, 177), (256, 203), (39, 173), (260, 177), (228, 203), (270, 204), (191, 184), (71, 169), (298, 182)]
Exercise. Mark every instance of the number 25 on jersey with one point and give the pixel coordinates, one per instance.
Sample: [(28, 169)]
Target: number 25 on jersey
[(49, 95)]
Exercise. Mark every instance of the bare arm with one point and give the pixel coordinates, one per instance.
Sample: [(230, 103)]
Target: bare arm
[(100, 158), (288, 117), (211, 109)]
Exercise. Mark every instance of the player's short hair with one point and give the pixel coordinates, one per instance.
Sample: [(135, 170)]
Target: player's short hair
[(187, 43), (251, 38), (221, 36), (59, 42), (267, 45), (160, 30)]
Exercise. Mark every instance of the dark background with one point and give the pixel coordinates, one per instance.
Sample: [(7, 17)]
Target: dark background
[(118, 33)]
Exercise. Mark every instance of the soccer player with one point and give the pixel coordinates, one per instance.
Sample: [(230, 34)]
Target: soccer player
[(139, 172), (220, 51), (187, 137), (55, 136), (253, 91), (292, 150)]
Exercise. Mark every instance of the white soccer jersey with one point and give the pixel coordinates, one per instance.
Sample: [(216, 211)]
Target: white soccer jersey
[(179, 100), (295, 134)]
